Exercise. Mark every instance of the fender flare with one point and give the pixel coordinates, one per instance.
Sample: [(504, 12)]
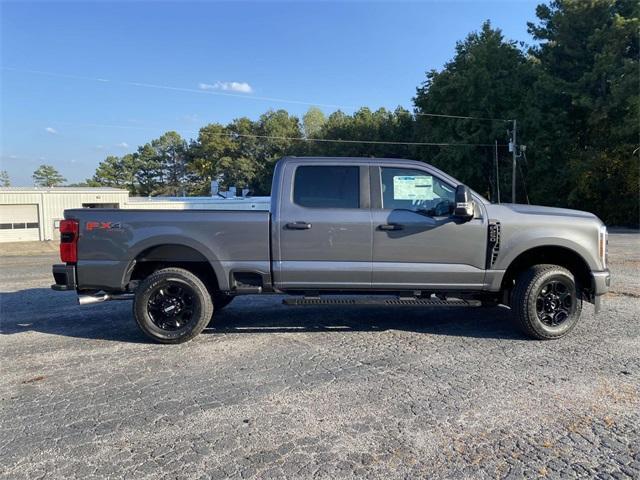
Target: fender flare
[(200, 248), (551, 242)]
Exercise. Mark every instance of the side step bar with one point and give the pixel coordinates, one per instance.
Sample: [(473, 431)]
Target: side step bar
[(431, 302)]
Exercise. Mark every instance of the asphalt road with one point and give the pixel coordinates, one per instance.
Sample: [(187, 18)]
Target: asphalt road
[(316, 392)]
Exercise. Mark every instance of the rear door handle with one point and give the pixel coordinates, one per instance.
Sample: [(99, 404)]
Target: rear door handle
[(298, 226), (390, 226)]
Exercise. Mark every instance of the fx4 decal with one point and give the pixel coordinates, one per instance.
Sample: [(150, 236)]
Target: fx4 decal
[(103, 226)]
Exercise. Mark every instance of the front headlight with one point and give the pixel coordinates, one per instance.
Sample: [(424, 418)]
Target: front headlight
[(603, 245)]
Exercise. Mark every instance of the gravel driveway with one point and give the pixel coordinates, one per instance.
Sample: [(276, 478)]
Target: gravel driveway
[(323, 392)]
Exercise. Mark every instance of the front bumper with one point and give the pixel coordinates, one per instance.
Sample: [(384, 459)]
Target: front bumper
[(600, 283), (64, 276)]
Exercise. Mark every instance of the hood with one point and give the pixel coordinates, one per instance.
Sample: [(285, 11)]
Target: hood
[(539, 210)]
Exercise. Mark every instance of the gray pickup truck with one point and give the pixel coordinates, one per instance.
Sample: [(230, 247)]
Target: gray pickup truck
[(386, 231)]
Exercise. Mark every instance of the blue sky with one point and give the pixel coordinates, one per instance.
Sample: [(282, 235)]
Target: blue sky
[(83, 80)]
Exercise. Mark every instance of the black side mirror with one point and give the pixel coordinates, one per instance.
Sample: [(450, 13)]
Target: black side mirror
[(464, 204)]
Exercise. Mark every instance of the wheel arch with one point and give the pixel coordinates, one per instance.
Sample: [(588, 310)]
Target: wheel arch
[(154, 257), (551, 254)]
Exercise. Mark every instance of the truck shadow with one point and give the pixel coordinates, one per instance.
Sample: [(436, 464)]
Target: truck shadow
[(44, 311), (254, 316), (57, 313)]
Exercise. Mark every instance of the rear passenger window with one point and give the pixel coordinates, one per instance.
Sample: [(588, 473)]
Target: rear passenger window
[(327, 187)]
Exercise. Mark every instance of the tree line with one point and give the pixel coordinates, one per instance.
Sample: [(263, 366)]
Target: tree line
[(574, 94)]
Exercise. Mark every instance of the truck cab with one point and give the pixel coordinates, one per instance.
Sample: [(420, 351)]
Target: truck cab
[(374, 225)]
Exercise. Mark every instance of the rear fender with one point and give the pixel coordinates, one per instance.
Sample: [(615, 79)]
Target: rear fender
[(178, 241)]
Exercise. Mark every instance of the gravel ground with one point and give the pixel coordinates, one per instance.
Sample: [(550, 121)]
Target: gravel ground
[(322, 392)]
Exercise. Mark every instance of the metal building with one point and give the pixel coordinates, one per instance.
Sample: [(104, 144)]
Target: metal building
[(32, 214), (28, 213)]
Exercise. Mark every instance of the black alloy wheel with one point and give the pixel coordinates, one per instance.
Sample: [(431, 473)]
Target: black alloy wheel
[(171, 306), (555, 302)]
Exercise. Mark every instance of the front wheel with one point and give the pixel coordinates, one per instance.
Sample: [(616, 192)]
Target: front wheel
[(172, 305), (546, 304)]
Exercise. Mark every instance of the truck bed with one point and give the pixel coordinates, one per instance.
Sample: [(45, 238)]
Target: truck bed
[(112, 239)]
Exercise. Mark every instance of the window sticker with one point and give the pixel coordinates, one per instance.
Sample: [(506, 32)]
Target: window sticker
[(410, 187)]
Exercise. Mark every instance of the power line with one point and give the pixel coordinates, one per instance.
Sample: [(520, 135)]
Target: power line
[(236, 95), (298, 139), (422, 114), (340, 140)]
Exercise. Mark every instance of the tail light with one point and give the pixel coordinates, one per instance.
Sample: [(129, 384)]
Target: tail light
[(69, 230)]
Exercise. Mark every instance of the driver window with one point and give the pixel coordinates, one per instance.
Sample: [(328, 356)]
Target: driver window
[(416, 190)]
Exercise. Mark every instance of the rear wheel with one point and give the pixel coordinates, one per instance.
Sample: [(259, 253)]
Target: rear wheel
[(545, 303), (172, 305)]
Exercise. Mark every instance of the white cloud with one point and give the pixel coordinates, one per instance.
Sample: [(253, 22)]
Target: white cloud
[(240, 87), (123, 145), (51, 130), (190, 118)]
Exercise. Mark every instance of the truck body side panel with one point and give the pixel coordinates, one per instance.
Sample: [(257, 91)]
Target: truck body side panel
[(110, 240)]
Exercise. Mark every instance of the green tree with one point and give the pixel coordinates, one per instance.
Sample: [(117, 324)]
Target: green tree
[(212, 145), (312, 122), (170, 151), (110, 173), (130, 165), (149, 171), (381, 125), (277, 131), (486, 78), (5, 181), (47, 176), (118, 172), (588, 60)]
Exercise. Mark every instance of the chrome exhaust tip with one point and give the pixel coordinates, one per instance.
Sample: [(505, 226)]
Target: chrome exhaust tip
[(103, 297), (90, 299)]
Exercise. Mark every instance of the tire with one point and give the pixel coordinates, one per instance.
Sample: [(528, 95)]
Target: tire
[(172, 305), (546, 303)]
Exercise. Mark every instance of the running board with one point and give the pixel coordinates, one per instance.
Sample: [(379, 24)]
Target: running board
[(430, 302)]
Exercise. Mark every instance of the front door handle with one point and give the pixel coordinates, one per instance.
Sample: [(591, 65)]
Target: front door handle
[(390, 226), (298, 226)]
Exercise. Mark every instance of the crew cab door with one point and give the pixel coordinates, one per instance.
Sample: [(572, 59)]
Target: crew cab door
[(417, 244), (322, 229)]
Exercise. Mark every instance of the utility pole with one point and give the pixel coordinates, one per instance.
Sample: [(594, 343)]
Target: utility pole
[(495, 160), (514, 148)]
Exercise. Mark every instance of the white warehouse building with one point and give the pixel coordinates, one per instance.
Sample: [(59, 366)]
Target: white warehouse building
[(32, 214)]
